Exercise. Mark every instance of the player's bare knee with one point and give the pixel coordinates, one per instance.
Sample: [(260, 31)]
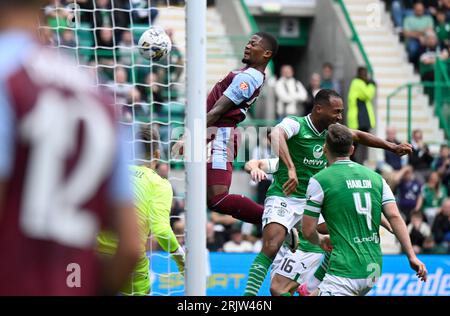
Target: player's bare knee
[(277, 288), (271, 247), (274, 290)]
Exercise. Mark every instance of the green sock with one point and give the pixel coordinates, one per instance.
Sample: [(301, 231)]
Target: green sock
[(257, 274)]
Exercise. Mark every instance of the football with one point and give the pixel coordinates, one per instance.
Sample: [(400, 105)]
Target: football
[(154, 44)]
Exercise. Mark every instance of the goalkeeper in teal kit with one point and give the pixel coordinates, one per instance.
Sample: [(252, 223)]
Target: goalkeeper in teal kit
[(351, 199)]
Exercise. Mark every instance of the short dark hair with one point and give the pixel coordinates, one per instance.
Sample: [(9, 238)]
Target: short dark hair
[(441, 11), (149, 136), (360, 70), (271, 42), (324, 95), (327, 65), (417, 214), (339, 140)]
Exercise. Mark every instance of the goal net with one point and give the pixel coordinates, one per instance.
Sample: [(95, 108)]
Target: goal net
[(102, 35)]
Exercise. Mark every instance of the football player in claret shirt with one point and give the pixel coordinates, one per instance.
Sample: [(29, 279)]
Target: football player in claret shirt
[(227, 105)]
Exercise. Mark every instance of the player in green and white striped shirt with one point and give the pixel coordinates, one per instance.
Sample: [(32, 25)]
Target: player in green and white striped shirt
[(309, 263), (351, 199), (299, 142)]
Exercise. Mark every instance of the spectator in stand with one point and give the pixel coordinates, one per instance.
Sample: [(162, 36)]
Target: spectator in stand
[(68, 38), (290, 94), (105, 51), (57, 15), (414, 28), (408, 191), (328, 80), (141, 109), (120, 86), (237, 242), (152, 91), (360, 113), (400, 9), (390, 158), (176, 58), (441, 164), (103, 14), (418, 231), (68, 43), (312, 90), (441, 226), (170, 70), (127, 49), (213, 241), (262, 151), (222, 225), (442, 28), (445, 5), (431, 197), (420, 158), (428, 55), (141, 13)]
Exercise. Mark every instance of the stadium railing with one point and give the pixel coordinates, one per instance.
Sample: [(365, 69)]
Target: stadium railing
[(440, 89), (354, 37)]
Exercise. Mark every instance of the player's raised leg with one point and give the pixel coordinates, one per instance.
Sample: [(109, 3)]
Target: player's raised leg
[(222, 151)]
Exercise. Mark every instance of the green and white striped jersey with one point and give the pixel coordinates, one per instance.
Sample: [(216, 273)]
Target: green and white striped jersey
[(305, 146), (350, 197)]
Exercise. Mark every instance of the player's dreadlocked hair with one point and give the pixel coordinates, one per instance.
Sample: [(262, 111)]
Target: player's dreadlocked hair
[(339, 140), (149, 137)]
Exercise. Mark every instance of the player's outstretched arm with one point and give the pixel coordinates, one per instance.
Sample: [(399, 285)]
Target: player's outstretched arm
[(392, 214), (220, 108), (259, 168), (255, 168), (370, 140)]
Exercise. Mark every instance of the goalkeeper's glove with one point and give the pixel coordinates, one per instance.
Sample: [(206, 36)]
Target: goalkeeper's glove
[(178, 256)]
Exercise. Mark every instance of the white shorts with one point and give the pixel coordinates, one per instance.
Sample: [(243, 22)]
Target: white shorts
[(285, 211), (333, 285), (299, 266)]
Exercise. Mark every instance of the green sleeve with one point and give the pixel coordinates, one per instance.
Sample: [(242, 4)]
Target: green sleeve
[(160, 205)]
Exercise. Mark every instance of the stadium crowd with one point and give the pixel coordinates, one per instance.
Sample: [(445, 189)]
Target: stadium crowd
[(106, 44)]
